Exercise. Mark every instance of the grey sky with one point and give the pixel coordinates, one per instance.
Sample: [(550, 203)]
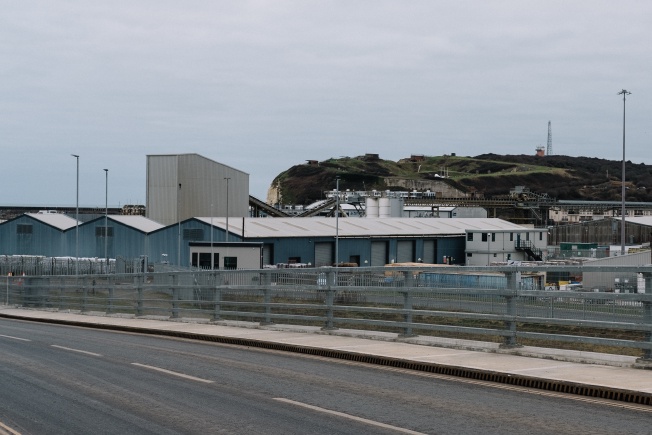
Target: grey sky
[(264, 85)]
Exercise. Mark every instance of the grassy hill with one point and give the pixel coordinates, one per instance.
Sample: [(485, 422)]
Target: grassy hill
[(561, 177)]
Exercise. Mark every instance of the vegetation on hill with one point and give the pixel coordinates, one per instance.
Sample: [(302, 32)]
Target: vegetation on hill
[(561, 177)]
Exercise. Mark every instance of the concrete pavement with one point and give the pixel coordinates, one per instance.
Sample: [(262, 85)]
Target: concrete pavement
[(590, 374)]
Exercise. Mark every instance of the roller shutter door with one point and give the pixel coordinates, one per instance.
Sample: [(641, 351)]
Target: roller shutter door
[(404, 251), (378, 253), (428, 252), (268, 254), (323, 254)]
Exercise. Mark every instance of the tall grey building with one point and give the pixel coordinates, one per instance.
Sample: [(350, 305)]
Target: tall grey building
[(181, 186)]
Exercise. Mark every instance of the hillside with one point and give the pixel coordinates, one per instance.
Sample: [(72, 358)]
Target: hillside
[(561, 177)]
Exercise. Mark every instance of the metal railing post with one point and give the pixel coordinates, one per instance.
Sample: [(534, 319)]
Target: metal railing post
[(407, 314), (217, 296), (647, 317), (409, 278), (140, 295), (510, 310), (330, 300), (60, 302), (267, 300), (22, 295), (84, 302), (111, 289), (175, 296)]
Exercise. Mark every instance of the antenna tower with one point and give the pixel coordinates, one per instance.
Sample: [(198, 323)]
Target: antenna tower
[(549, 150)]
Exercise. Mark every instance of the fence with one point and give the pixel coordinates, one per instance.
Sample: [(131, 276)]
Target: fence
[(19, 265), (506, 304)]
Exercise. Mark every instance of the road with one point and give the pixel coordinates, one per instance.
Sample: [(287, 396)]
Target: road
[(59, 379)]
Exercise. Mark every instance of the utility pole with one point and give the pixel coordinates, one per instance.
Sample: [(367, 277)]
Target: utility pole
[(227, 208), (624, 93), (549, 149), (77, 220)]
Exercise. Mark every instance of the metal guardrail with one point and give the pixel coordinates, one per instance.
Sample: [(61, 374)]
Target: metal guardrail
[(509, 303)]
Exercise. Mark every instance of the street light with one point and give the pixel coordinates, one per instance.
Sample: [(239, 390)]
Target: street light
[(227, 208), (178, 229), (212, 250), (77, 220), (106, 218), (624, 93), (337, 221)]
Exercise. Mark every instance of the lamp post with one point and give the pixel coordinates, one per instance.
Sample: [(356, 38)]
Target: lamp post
[(227, 208), (77, 220), (178, 229), (106, 218), (212, 250), (624, 93), (337, 221)]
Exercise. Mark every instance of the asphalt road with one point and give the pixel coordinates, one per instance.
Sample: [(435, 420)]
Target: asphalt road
[(58, 379)]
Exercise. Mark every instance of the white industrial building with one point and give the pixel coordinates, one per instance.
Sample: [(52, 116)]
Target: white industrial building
[(504, 242)]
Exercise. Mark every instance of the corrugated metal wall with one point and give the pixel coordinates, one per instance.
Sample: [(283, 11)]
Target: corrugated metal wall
[(606, 281), (40, 239), (162, 188), (203, 190), (125, 241), (602, 232)]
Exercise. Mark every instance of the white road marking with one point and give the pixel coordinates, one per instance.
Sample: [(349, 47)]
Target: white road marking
[(170, 372), (15, 338), (4, 429), (75, 350), (350, 417)]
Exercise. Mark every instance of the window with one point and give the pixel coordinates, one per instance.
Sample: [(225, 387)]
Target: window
[(230, 262), (485, 237), (469, 254), (205, 260), (194, 262), (24, 229), (541, 236), (469, 237), (511, 237), (493, 237), (193, 234), (99, 231)]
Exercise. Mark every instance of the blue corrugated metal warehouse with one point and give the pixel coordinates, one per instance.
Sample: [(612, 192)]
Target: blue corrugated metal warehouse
[(57, 235), (366, 242), (127, 237), (310, 241), (36, 234)]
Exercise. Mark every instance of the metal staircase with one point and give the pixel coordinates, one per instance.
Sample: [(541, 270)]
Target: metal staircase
[(529, 248)]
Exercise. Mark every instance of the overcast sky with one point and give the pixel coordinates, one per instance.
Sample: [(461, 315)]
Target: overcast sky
[(264, 85)]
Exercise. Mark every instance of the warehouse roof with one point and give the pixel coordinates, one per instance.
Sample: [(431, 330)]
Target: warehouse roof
[(640, 220), (56, 220), (137, 222), (140, 223), (357, 227)]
